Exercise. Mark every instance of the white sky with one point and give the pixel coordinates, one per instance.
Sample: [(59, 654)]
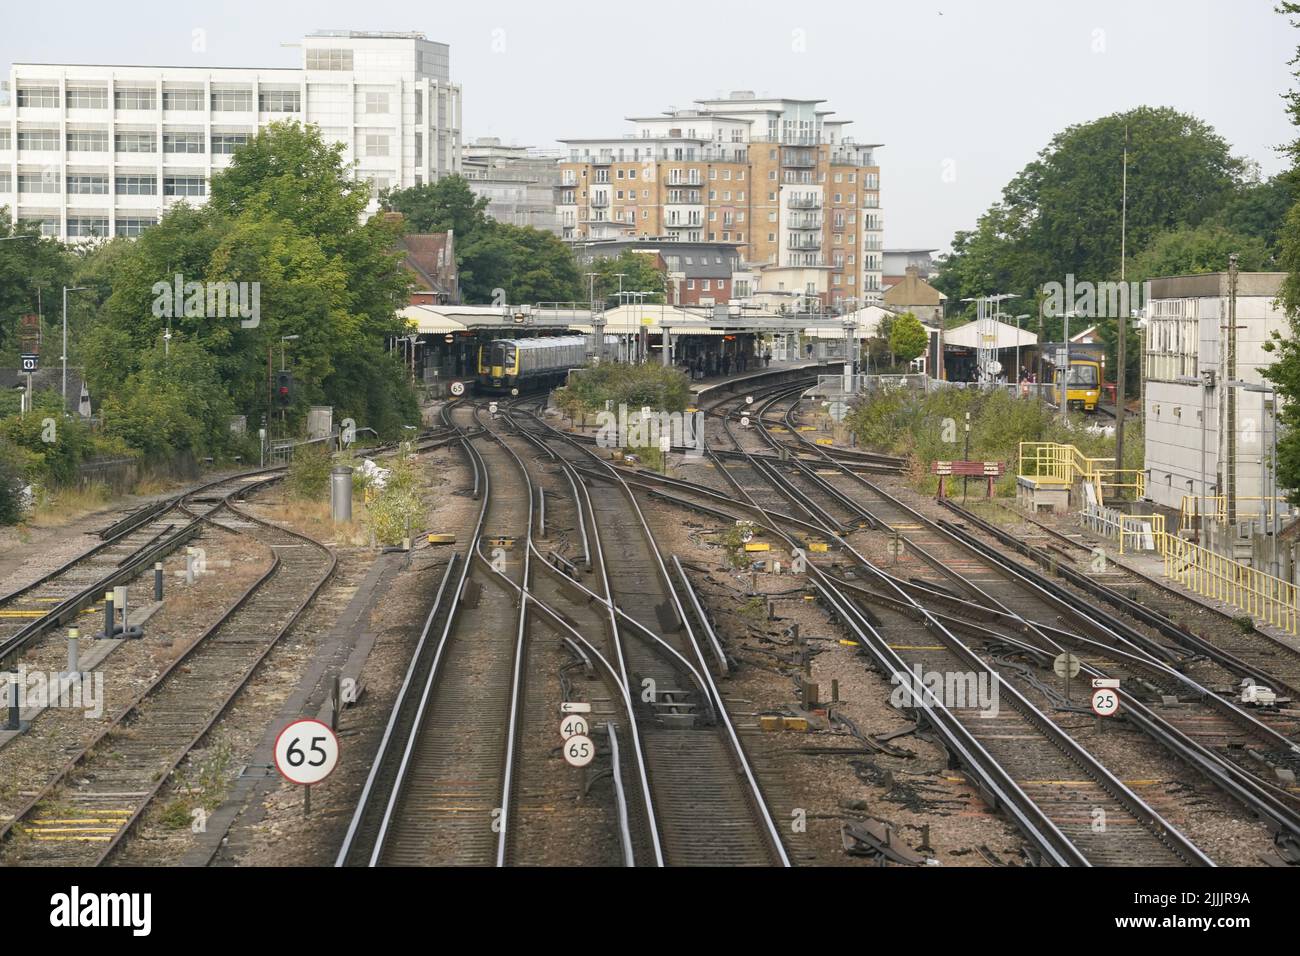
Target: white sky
[(973, 86)]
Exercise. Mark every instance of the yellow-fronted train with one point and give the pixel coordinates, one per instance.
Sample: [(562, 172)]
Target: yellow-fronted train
[(507, 366)]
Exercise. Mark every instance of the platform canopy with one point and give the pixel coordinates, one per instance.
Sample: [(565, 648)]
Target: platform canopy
[(866, 323), (1007, 337)]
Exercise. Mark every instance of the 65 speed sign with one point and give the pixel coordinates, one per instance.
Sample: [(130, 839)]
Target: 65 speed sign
[(306, 752)]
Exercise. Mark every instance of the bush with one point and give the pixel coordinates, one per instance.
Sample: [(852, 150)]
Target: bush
[(12, 482), (399, 506), (931, 427), (309, 472), (663, 389)]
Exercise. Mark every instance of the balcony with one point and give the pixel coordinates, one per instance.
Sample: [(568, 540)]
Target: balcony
[(599, 202), (799, 158), (806, 242), (810, 202), (806, 221)]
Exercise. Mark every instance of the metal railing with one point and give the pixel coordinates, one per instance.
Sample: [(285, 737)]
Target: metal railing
[(1213, 575), (1197, 509), (1131, 532), (1065, 463)]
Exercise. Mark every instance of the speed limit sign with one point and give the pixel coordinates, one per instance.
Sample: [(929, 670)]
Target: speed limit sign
[(1105, 702), (579, 750), (574, 725), (458, 388), (306, 752)]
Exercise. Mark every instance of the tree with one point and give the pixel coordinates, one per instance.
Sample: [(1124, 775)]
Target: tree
[(1190, 250), (447, 203), (1285, 373), (640, 273), (32, 273), (907, 338), (1061, 214)]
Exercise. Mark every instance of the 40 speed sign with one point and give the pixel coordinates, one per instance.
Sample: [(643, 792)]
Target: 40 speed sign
[(306, 752)]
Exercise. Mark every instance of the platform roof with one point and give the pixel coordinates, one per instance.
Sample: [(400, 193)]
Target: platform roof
[(1007, 337)]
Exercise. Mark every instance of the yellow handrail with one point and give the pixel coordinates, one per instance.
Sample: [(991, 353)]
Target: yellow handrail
[(1049, 459), (1216, 576)]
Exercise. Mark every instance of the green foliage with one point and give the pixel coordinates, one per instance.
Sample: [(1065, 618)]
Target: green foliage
[(1189, 250), (907, 337), (1061, 214), (174, 402), (399, 507), (663, 389), (1285, 373), (527, 264), (309, 472), (283, 215), (28, 265), (12, 467), (639, 274), (55, 445), (930, 427)]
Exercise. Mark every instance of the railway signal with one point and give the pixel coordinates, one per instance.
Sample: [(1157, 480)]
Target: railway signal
[(284, 388)]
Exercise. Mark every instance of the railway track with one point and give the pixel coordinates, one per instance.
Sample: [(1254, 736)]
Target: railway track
[(1050, 785), (129, 547), (705, 805), (82, 815)]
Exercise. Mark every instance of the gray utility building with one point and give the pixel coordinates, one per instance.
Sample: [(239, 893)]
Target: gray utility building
[(1190, 448)]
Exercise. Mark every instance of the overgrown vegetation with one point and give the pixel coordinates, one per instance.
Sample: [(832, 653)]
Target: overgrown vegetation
[(395, 511), (636, 386), (309, 472), (931, 427)]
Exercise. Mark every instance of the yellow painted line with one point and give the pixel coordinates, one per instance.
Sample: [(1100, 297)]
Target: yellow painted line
[(89, 820), (917, 647), (824, 441), (23, 613), (1085, 783), (849, 643), (83, 839), (70, 829), (758, 546)]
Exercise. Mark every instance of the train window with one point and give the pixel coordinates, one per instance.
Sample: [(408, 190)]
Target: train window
[(1085, 375)]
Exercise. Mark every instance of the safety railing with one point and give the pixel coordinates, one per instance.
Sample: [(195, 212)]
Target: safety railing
[(1065, 463), (1198, 509), (1212, 575), (1131, 532)]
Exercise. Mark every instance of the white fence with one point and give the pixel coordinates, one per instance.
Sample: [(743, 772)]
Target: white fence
[(1131, 532)]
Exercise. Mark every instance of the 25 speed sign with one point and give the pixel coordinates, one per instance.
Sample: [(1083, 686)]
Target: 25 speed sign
[(306, 752), (1105, 702)]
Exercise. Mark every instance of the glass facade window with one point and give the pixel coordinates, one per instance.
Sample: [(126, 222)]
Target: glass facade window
[(134, 226), (87, 227), (182, 142), (38, 97), (44, 140), (224, 144), (137, 185), (88, 185), (88, 141), (87, 98), (186, 100), (232, 100), (135, 98), (329, 59), (136, 143), (184, 186), (38, 182), (280, 101)]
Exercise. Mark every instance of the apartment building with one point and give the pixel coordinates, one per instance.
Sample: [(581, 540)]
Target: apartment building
[(777, 177), (89, 150), (518, 181)]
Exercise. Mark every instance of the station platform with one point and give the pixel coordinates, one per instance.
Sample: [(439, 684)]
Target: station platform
[(704, 388)]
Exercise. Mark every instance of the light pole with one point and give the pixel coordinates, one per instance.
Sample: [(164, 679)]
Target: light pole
[(64, 357), (1023, 315)]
